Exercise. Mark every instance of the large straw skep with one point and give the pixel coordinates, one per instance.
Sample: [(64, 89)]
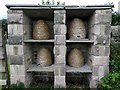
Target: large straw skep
[(40, 30), (76, 29), (44, 57), (75, 58)]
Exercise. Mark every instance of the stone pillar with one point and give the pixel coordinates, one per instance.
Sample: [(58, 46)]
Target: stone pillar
[(15, 46), (100, 31), (59, 48)]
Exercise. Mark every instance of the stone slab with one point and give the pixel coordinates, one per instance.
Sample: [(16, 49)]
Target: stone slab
[(60, 50), (59, 18)]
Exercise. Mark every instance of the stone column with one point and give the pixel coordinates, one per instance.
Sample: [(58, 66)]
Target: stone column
[(15, 46), (59, 48), (100, 33)]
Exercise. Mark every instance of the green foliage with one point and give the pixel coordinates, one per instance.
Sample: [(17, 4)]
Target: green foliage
[(115, 19), (110, 81), (115, 57), (17, 85)]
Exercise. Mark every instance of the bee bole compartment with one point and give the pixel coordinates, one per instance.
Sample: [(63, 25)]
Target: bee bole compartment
[(44, 57), (41, 30), (75, 58), (76, 29)]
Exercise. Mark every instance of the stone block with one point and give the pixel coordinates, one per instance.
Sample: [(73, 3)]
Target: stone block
[(59, 71), (3, 82), (102, 71), (59, 82), (1, 53), (17, 70), (60, 59), (15, 29), (15, 79), (2, 66), (100, 18), (60, 50), (16, 59), (60, 39), (15, 18), (95, 70), (101, 30), (93, 81), (59, 17), (98, 50), (60, 29), (100, 60), (15, 40), (14, 49)]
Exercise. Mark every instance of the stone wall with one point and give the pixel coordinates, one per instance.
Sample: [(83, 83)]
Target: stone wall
[(2, 61), (115, 33)]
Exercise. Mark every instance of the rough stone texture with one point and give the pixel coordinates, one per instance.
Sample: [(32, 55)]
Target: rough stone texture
[(115, 33), (15, 18), (15, 79), (1, 53), (15, 40), (93, 81), (100, 17), (59, 71), (15, 11), (17, 70), (16, 60), (3, 82), (60, 39), (60, 29), (60, 50), (14, 49), (102, 71), (59, 18), (60, 59), (98, 50), (15, 29), (59, 82), (100, 60)]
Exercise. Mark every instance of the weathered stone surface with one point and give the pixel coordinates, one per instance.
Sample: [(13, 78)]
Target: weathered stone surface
[(14, 49), (17, 70), (60, 50), (102, 71), (15, 18), (93, 81), (60, 11), (100, 17), (1, 53), (98, 50), (16, 60), (59, 82), (59, 17), (15, 79), (60, 59), (95, 70), (60, 29), (100, 60), (15, 11), (3, 82), (60, 39), (59, 71), (15, 29), (15, 40)]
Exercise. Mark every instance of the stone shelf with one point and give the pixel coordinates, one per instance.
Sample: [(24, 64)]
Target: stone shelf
[(80, 41), (38, 41), (84, 69), (35, 68)]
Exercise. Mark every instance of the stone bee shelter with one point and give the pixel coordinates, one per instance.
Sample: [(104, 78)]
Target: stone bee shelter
[(29, 56)]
